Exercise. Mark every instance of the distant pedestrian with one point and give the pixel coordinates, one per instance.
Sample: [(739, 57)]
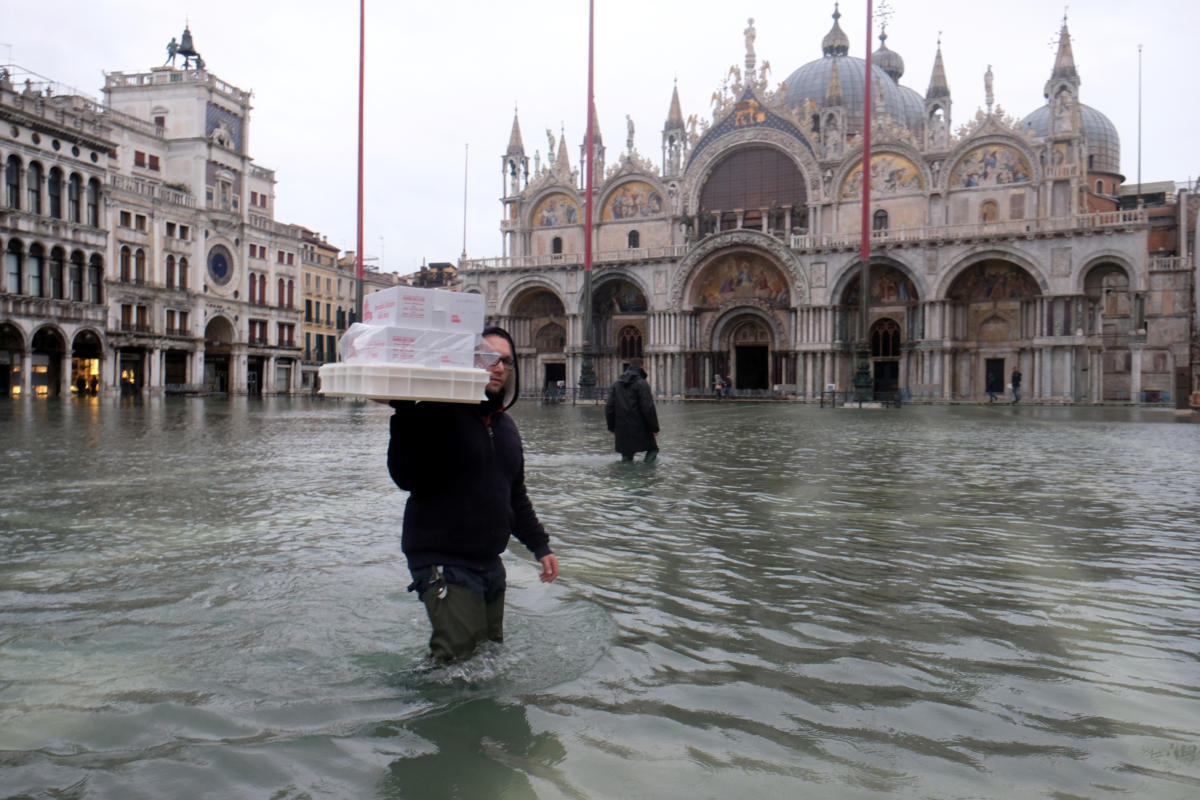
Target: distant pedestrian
[(718, 384), (993, 387), (630, 414), (1015, 382)]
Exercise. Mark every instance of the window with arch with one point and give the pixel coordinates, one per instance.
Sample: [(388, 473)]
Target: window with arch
[(291, 295), (37, 271), (556, 245), (262, 290), (93, 203), (13, 257), (629, 342), (57, 268), (879, 221), (139, 266), (634, 239), (12, 182), (253, 290), (279, 293), (33, 187), (75, 276), (1099, 187), (885, 339), (183, 273), (989, 211), (74, 190), (170, 272), (126, 264), (95, 279), (54, 192)]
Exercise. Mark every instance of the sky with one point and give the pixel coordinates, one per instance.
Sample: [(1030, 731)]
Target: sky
[(443, 79)]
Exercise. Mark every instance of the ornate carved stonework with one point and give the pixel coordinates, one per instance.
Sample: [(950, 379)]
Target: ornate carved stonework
[(777, 250)]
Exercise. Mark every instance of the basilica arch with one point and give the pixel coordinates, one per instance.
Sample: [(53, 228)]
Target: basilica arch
[(537, 321), (218, 353), (895, 319), (741, 299), (49, 349), (991, 317), (1116, 316)]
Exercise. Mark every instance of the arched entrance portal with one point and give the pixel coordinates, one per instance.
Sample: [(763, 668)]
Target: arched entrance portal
[(885, 354), (740, 299), (12, 345), (218, 350), (894, 318), (49, 350), (618, 323), (1116, 314), (750, 351), (538, 321), (551, 343), (86, 356), (993, 319)]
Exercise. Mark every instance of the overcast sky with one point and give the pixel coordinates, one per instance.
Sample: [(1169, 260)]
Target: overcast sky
[(443, 78)]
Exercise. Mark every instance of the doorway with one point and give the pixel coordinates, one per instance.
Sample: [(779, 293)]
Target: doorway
[(887, 376), (993, 375), (751, 371)]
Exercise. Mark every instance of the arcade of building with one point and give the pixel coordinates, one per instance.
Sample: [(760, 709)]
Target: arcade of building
[(1004, 245)]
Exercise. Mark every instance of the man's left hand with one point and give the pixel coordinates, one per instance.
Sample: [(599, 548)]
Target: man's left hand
[(549, 568)]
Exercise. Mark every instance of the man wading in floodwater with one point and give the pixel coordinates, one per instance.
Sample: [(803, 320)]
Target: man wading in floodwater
[(464, 469)]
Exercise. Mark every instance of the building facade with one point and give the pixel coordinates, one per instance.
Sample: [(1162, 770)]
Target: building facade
[(1000, 245), (329, 304), (198, 284)]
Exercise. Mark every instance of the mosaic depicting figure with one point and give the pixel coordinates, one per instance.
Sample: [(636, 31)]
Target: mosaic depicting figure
[(631, 201), (990, 165), (889, 286), (994, 281), (618, 297), (741, 276), (890, 174), (557, 209)]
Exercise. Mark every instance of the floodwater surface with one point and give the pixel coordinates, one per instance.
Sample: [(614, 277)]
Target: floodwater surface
[(206, 599)]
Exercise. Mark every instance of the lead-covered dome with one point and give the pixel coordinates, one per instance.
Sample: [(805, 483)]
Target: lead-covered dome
[(1103, 143), (811, 81)]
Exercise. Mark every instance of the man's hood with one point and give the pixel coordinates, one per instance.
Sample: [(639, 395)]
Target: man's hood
[(512, 387)]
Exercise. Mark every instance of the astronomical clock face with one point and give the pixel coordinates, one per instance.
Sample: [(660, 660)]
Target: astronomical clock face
[(220, 266)]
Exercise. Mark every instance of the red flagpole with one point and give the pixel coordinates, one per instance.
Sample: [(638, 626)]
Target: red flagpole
[(358, 252), (865, 247), (591, 115)]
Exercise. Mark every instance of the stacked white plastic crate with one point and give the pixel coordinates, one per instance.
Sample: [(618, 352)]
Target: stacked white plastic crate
[(413, 344)]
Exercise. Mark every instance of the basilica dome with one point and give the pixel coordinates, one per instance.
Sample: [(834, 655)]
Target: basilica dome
[(811, 82), (1103, 143)]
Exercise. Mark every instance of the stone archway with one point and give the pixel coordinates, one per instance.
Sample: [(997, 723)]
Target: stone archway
[(1114, 313), (12, 346), (49, 348), (749, 348), (991, 321), (218, 354), (87, 357)]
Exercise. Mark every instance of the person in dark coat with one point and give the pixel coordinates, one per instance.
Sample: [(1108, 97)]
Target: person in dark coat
[(1015, 382), (630, 414), (464, 469)]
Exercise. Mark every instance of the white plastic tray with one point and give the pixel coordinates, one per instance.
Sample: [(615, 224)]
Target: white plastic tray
[(404, 382)]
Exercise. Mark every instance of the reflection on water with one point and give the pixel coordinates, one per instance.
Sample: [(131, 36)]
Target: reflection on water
[(925, 602)]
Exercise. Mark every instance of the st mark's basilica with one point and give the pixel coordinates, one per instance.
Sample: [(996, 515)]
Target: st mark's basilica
[(997, 243)]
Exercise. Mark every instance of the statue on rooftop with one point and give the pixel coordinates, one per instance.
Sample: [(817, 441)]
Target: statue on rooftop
[(172, 49)]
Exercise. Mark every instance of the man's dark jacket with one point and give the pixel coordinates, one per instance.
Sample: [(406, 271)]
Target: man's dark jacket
[(464, 469), (630, 413)]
